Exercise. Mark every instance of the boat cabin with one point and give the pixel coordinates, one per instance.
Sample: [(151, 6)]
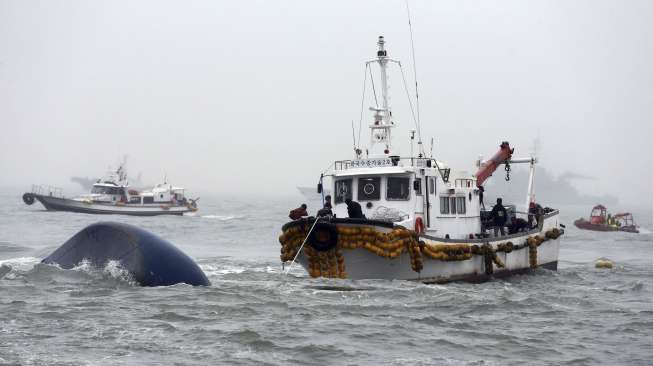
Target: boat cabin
[(599, 214), (624, 219), (108, 192), (403, 190)]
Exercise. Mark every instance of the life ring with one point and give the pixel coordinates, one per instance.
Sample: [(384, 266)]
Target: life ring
[(28, 198), (324, 237), (419, 225)]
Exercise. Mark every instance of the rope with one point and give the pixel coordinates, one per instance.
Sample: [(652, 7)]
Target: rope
[(302, 246), (360, 121), (412, 46), (376, 102), (410, 101)]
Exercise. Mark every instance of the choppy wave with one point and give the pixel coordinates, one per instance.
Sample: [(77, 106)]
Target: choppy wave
[(255, 314), (21, 263)]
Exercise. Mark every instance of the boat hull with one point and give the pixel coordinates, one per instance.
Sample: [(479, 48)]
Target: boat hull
[(52, 203), (361, 263), (586, 225)]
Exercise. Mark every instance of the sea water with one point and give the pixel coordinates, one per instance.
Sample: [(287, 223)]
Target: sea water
[(254, 314)]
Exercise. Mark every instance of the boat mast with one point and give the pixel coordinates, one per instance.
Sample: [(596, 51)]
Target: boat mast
[(530, 195), (382, 56), (381, 136)]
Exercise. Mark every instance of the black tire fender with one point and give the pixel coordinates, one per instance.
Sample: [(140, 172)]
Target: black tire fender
[(28, 198), (324, 237)]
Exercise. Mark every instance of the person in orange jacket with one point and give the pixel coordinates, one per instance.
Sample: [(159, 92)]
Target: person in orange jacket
[(298, 213)]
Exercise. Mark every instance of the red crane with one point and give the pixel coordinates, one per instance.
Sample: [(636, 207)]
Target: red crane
[(488, 167)]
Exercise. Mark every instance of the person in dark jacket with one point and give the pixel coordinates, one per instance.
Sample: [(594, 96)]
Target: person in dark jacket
[(327, 202), (499, 217), (298, 213), (480, 197), (326, 211), (354, 209)]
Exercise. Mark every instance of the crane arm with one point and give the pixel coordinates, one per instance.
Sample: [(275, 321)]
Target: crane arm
[(488, 167)]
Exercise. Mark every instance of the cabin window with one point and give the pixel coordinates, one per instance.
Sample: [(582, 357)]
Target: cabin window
[(444, 205), (452, 206), (148, 199), (343, 190), (460, 205), (369, 189), (431, 185), (398, 188), (417, 183), (135, 199), (107, 190)]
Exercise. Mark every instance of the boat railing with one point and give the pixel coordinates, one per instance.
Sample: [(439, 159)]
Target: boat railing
[(391, 161), (45, 190), (384, 162)]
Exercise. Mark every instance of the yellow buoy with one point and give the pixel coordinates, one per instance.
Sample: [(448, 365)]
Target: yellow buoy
[(604, 263)]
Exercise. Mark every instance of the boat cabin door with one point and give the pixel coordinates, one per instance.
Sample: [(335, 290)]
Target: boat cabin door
[(429, 198)]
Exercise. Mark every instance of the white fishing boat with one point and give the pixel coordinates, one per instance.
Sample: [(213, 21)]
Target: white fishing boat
[(421, 220), (112, 195), (311, 195)]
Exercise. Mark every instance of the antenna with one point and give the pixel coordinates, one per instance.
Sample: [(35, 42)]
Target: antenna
[(412, 47), (353, 135)]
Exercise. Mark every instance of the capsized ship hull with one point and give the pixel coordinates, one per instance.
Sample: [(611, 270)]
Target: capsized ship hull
[(401, 254), (52, 203)]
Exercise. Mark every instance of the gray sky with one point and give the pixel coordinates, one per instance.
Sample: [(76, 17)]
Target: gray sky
[(247, 95)]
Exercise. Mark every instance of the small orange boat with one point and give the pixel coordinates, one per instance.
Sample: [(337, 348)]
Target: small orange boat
[(601, 220)]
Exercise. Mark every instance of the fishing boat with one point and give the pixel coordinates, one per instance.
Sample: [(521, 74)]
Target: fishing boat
[(112, 195), (601, 220), (311, 195), (414, 217)]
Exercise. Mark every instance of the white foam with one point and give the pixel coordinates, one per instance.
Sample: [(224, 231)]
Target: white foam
[(221, 270), (113, 269), (222, 217), (21, 263), (84, 266)]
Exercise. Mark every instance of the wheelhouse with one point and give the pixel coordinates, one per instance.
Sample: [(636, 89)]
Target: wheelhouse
[(407, 190)]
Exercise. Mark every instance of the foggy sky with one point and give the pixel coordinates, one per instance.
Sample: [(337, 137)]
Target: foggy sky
[(258, 96)]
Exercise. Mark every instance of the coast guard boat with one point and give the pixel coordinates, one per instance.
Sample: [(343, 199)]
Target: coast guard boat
[(601, 220), (422, 220), (113, 195)]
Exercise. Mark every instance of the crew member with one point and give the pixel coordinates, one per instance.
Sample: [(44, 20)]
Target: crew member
[(327, 202), (354, 209), (499, 217), (298, 213), (532, 214), (480, 196), (326, 210)]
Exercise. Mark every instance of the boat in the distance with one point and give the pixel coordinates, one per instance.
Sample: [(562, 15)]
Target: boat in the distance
[(311, 195), (112, 194), (601, 220), (421, 220)]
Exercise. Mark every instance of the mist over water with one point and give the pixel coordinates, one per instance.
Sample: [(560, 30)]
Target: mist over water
[(223, 96), (253, 314)]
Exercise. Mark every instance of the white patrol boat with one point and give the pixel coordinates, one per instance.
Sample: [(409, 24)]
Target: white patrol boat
[(414, 218), (112, 195)]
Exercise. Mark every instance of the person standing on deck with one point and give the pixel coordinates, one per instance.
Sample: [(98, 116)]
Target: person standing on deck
[(354, 209), (326, 211), (327, 202), (499, 217)]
